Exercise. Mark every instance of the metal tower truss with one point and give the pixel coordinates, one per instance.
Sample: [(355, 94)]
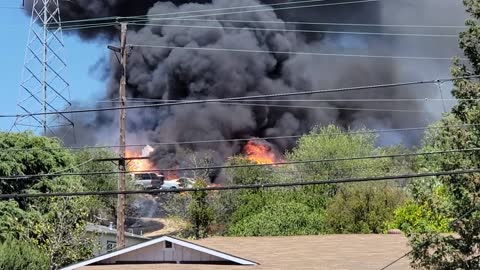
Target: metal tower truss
[(44, 88)]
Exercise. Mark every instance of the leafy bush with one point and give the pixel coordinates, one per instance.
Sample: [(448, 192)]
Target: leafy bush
[(20, 255), (415, 218), (363, 208), (280, 219)]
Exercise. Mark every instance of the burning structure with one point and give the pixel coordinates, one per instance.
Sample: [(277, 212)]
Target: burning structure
[(261, 152), (166, 66)]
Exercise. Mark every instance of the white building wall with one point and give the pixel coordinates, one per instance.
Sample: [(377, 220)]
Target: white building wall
[(105, 239), (158, 253)]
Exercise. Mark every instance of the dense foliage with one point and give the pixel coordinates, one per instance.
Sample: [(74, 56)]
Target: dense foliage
[(20, 255), (353, 208), (55, 225), (363, 208), (200, 212), (461, 193)]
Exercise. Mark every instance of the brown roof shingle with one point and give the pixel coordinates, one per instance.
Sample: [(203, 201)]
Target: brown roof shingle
[(298, 252)]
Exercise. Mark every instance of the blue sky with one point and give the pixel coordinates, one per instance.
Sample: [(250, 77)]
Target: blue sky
[(80, 57)]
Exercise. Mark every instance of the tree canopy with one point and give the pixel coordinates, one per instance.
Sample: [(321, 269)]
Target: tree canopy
[(460, 193), (54, 225)]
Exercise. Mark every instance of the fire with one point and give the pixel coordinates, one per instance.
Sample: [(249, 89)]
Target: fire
[(260, 152), (172, 174), (140, 164)]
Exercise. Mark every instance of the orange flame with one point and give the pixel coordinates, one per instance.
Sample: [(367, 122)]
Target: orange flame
[(146, 165), (138, 164), (260, 153), (172, 174)]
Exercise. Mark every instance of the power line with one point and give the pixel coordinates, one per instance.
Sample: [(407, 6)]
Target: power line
[(238, 187), (184, 12), (320, 107), (212, 49), (5, 7), (150, 100), (324, 107), (270, 7), (299, 30), (320, 23), (125, 19), (237, 166), (246, 139), (189, 102), (76, 166), (110, 24), (90, 26), (185, 18)]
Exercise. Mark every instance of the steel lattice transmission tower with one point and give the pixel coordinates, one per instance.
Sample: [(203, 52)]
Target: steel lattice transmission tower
[(44, 88)]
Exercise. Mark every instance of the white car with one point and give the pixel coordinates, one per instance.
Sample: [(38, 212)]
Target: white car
[(182, 182)]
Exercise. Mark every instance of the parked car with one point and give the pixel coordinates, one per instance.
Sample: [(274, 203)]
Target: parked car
[(148, 180), (182, 182)]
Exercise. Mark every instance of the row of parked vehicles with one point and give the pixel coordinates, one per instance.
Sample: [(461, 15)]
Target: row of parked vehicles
[(157, 181)]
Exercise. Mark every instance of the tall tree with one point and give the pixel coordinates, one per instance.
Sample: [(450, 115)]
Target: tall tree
[(462, 249), (55, 225), (364, 207), (42, 155)]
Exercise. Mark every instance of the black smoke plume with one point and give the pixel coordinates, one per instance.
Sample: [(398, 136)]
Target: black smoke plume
[(164, 74)]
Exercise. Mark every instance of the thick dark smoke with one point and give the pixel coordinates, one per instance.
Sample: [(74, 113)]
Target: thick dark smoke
[(179, 74)]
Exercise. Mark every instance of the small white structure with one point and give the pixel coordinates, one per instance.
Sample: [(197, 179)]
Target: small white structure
[(165, 249), (107, 237)]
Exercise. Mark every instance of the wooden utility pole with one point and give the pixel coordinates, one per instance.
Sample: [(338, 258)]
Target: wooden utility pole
[(122, 124)]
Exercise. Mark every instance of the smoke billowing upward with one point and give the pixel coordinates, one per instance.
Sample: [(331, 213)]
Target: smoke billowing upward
[(179, 74)]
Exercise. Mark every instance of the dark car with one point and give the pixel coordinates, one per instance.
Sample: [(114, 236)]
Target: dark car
[(148, 180)]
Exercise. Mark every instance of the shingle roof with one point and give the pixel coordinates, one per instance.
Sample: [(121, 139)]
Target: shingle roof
[(132, 253), (298, 252)]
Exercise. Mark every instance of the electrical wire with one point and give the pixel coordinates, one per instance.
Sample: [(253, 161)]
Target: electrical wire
[(5, 7), (324, 107), (70, 25), (238, 187), (412, 129), (117, 18), (300, 93), (213, 49), (76, 166), (18, 177), (150, 100), (320, 23), (88, 26), (125, 19), (297, 30), (139, 17), (93, 25), (110, 24)]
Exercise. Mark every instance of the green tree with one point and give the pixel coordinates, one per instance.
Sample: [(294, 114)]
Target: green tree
[(14, 221), (20, 255), (60, 231), (460, 250), (43, 155), (366, 207), (363, 208), (331, 142), (279, 219), (233, 206), (55, 224), (200, 212), (104, 207)]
